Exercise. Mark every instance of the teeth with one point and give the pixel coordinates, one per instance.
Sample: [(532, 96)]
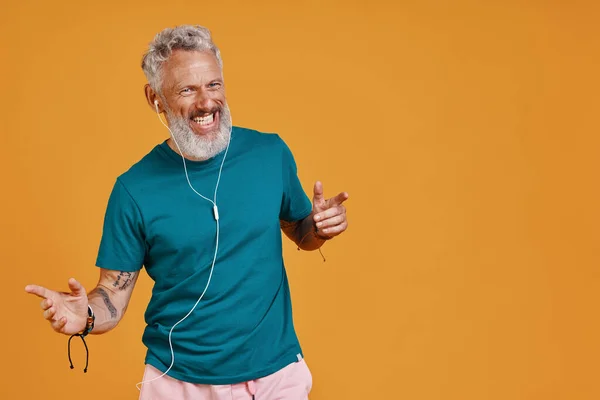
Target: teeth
[(204, 120)]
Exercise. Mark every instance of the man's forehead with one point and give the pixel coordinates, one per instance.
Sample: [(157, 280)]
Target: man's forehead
[(187, 64)]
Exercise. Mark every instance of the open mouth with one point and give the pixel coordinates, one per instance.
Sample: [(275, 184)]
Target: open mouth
[(203, 121), (206, 122)]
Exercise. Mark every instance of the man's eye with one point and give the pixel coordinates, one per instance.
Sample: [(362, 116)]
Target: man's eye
[(186, 90), (214, 84)]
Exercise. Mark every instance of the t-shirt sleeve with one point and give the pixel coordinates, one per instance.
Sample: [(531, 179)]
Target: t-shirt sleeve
[(295, 204), (122, 246)]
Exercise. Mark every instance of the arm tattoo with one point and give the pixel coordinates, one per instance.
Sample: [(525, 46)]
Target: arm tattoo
[(108, 303), (124, 280)]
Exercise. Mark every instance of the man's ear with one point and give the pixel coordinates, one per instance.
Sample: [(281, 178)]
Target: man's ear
[(153, 99)]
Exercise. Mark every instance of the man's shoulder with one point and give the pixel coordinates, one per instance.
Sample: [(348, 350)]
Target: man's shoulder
[(145, 167)]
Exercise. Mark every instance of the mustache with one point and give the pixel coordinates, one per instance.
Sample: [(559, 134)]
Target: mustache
[(205, 112)]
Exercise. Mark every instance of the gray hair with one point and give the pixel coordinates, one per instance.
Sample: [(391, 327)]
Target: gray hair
[(184, 37)]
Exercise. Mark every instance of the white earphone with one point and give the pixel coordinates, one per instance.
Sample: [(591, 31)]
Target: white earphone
[(215, 215)]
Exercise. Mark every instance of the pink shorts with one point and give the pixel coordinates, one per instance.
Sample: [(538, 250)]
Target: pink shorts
[(292, 382)]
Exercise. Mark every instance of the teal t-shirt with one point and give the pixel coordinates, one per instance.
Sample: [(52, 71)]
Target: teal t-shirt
[(242, 329)]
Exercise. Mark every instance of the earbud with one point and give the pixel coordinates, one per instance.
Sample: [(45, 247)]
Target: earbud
[(156, 105)]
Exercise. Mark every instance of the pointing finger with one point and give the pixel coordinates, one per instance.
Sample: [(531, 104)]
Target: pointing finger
[(340, 198), (37, 290)]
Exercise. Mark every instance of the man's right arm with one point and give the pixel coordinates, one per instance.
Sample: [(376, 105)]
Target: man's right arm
[(67, 311)]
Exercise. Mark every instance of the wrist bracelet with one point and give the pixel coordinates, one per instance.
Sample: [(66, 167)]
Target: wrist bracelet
[(89, 323), (315, 233)]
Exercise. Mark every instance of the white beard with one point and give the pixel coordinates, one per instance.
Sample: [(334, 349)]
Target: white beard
[(200, 147)]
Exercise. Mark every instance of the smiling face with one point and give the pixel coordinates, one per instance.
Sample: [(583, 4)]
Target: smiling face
[(193, 98)]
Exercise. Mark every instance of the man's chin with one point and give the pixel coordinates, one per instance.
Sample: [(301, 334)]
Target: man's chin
[(206, 136)]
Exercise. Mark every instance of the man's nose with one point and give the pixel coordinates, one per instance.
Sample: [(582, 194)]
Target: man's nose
[(204, 101)]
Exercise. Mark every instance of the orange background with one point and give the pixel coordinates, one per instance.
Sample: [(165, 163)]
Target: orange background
[(466, 133)]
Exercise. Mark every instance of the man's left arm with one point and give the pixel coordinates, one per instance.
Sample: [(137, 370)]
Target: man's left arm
[(327, 220)]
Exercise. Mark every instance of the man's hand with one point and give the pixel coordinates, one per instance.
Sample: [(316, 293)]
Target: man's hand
[(66, 312), (329, 214)]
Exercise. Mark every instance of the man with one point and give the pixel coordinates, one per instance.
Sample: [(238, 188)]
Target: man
[(203, 213)]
